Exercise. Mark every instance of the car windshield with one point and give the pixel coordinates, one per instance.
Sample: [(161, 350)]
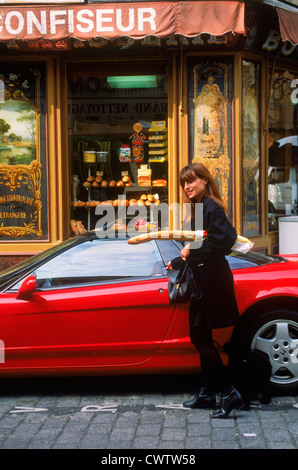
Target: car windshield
[(251, 259)]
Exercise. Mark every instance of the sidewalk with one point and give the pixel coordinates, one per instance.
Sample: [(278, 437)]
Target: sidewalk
[(142, 420)]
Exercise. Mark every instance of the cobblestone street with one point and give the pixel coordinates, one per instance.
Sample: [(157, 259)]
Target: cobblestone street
[(61, 415)]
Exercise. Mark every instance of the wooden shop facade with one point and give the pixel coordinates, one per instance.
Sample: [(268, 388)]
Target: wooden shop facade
[(102, 103)]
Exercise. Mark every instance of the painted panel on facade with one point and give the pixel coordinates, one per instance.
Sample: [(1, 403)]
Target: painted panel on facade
[(210, 124), (23, 188)]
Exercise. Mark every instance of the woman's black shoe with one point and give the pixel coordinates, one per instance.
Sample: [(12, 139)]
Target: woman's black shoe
[(203, 399), (230, 399)]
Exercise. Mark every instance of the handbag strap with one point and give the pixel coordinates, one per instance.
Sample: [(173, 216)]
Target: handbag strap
[(181, 273)]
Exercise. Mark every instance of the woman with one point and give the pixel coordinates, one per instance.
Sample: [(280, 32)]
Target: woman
[(217, 308)]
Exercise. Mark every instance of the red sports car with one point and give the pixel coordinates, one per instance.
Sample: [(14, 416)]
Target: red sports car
[(100, 306)]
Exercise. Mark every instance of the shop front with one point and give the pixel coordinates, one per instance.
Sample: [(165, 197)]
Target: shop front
[(101, 104)]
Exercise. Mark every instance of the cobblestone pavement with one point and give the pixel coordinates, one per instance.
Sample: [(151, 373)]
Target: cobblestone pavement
[(134, 413)]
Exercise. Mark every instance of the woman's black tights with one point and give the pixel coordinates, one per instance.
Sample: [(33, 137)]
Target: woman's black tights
[(214, 374)]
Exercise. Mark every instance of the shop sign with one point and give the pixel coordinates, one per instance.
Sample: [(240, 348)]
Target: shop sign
[(272, 43), (20, 200), (126, 42), (112, 20)]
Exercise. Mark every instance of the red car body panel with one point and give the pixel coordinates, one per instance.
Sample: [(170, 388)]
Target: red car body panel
[(266, 282), (122, 324), (119, 328)]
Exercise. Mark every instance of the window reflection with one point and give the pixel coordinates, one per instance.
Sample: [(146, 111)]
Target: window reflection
[(98, 261), (283, 150), (251, 148)]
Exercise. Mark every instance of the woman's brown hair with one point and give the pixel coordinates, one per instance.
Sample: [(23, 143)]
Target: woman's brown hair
[(198, 170)]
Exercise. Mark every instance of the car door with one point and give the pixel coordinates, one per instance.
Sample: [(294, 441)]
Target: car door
[(102, 303)]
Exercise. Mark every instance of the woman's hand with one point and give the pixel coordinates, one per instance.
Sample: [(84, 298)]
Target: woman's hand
[(169, 265), (185, 252)]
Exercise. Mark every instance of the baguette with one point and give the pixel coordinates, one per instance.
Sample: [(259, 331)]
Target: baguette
[(242, 244), (179, 235), (160, 182)]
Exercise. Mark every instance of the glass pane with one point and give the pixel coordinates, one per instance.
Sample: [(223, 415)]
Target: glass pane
[(250, 260), (98, 261), (169, 249), (251, 148), (283, 149), (118, 137)]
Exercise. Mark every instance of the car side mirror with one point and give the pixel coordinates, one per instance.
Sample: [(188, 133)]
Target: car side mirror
[(27, 288)]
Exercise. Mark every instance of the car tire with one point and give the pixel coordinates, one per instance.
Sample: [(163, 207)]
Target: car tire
[(275, 333)]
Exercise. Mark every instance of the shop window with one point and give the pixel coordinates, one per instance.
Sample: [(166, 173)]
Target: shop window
[(210, 121), (118, 139), (251, 148), (23, 156), (283, 148)]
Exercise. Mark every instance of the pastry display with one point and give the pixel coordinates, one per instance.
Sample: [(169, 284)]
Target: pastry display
[(146, 200), (120, 174), (118, 225), (77, 227), (144, 176), (159, 182)]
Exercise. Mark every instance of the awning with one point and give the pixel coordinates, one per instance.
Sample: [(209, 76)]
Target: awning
[(288, 24), (112, 20)]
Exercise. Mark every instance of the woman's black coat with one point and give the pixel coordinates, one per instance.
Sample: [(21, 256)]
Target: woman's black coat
[(212, 269)]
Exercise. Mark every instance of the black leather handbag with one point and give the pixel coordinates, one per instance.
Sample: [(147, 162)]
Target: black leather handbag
[(182, 285)]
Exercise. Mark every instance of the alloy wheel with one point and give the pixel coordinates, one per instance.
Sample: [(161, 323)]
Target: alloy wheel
[(278, 339)]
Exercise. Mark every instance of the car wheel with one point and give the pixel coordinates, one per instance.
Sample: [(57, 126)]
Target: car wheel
[(276, 335)]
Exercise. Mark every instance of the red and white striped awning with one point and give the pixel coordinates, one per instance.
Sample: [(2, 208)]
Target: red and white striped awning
[(112, 20), (288, 25)]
